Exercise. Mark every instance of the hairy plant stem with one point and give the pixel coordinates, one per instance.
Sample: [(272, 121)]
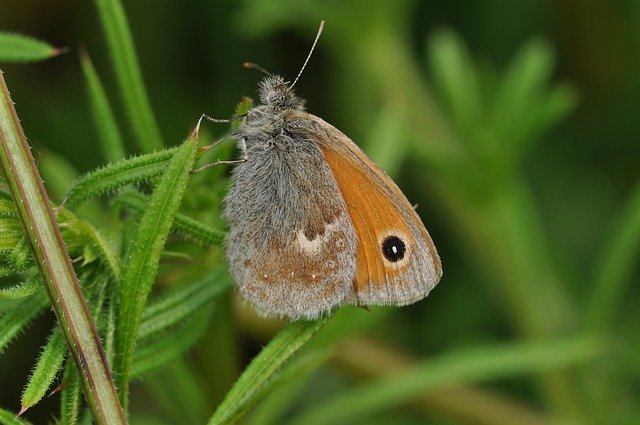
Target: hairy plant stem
[(48, 248)]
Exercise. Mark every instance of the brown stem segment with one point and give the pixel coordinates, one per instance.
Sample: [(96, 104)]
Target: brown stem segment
[(52, 258)]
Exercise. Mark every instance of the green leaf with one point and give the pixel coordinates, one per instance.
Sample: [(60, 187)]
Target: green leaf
[(14, 320), (19, 255), (616, 265), (146, 248), (28, 287), (109, 332), (521, 96), (21, 48), (128, 74), (173, 308), (162, 350), (117, 175), (250, 386), (468, 366), (105, 122), (183, 224), (7, 209), (284, 391), (456, 76), (179, 391), (46, 369), (10, 418), (71, 395), (90, 239)]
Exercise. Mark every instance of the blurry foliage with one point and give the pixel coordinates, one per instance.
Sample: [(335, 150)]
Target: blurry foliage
[(528, 184)]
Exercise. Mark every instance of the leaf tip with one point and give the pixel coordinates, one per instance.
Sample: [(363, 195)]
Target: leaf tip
[(23, 408), (58, 51)]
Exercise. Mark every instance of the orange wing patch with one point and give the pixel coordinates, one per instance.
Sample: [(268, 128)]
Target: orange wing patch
[(375, 218)]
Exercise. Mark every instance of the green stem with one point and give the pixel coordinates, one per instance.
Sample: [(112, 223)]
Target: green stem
[(40, 226)]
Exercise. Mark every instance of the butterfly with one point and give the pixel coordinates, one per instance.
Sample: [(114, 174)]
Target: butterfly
[(315, 224)]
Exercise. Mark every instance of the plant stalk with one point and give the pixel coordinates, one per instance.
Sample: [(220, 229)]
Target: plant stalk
[(50, 254)]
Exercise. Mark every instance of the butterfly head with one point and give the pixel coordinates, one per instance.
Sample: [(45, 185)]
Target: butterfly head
[(276, 93)]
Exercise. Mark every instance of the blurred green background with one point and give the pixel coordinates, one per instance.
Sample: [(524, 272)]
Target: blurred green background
[(512, 125)]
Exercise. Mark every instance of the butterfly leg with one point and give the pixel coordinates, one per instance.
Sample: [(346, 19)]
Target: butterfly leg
[(243, 150)]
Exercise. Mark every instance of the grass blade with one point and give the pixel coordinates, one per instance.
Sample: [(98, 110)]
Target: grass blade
[(262, 369), (480, 364), (146, 248), (127, 70), (52, 258), (20, 48), (108, 132)]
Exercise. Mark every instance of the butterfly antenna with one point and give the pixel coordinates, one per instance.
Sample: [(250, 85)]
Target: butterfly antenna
[(310, 53), (256, 66)]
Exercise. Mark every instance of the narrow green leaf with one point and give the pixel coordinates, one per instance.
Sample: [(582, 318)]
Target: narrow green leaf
[(183, 224), (178, 391), (117, 175), (250, 386), (105, 122), (21, 48), (71, 395), (7, 209), (468, 366), (10, 418), (161, 351), (110, 330), (16, 319), (457, 79), (520, 91), (6, 271), (19, 255), (284, 391), (142, 264), (89, 237), (8, 241), (127, 70), (173, 308), (25, 289), (619, 258), (46, 369)]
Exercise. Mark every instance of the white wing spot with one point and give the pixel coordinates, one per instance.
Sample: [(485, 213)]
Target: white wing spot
[(312, 246)]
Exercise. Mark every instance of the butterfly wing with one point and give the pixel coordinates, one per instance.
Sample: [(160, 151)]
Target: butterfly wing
[(291, 244), (397, 262)]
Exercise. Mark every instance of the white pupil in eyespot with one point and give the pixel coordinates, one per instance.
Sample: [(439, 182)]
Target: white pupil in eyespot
[(393, 248)]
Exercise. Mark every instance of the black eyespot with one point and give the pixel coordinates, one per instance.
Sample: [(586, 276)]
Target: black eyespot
[(393, 248)]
